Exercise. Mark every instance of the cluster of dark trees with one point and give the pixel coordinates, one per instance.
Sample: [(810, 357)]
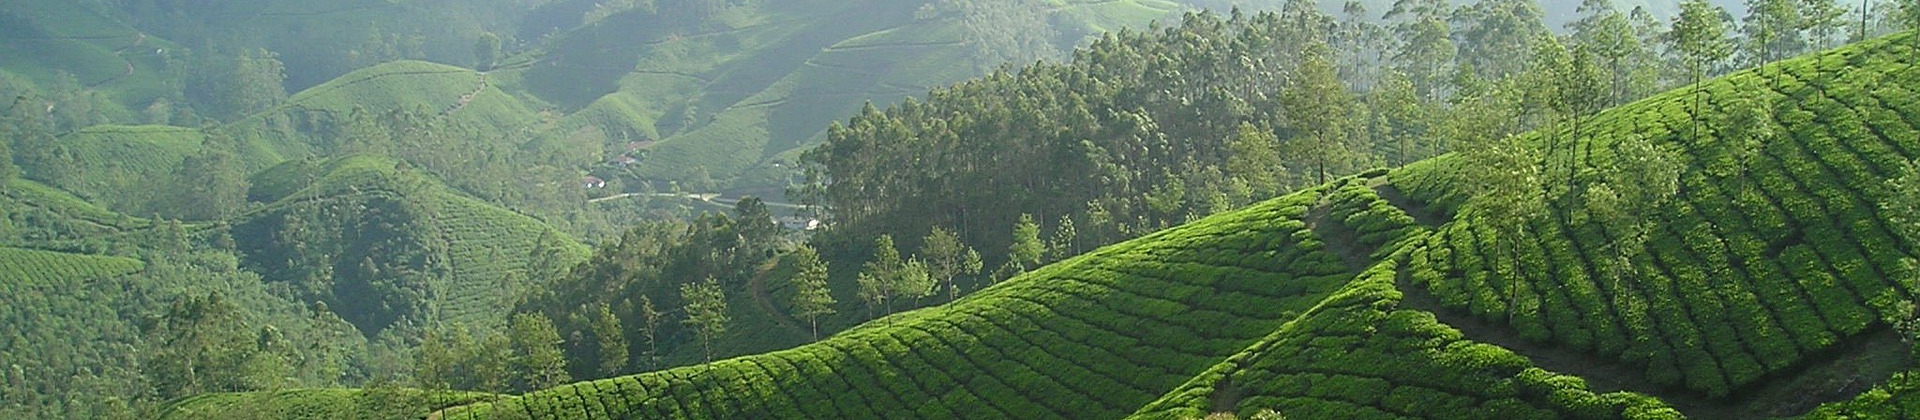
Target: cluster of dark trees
[(667, 283), (1144, 130)]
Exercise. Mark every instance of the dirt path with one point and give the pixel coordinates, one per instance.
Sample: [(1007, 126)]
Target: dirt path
[(765, 299), (480, 87), (128, 63)]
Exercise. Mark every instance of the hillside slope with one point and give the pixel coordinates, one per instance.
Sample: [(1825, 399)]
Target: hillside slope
[(1763, 291), (732, 95), (381, 242)]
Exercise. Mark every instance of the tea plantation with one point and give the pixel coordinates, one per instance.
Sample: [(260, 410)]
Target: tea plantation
[(1393, 295), (397, 242)]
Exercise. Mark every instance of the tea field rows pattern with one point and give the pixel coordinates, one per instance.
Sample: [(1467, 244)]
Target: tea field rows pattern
[(1748, 272), (1767, 260)]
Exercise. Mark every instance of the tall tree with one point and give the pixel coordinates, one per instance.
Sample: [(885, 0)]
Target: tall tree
[(1253, 156), (887, 278), (443, 359), (537, 354), (486, 50), (706, 311), (759, 233), (1361, 44), (1822, 21), (1026, 249), (650, 318), (1318, 106), (811, 297), (1771, 31), (1700, 36), (610, 341), (1426, 49), (1609, 36), (1625, 196), (946, 256), (1493, 32), (1506, 192)]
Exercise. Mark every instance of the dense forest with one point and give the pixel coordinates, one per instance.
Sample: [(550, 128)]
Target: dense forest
[(840, 208)]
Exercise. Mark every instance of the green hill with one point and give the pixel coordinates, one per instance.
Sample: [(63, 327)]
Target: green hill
[(46, 41), (41, 215), (732, 95), (379, 241), (1769, 286), (20, 268), (125, 167)]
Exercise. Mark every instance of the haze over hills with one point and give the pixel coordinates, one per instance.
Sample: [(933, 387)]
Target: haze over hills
[(548, 209), (1767, 283)]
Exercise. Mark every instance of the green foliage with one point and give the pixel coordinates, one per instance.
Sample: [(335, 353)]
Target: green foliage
[(1708, 273), (706, 311), (202, 345), (536, 352), (1094, 336), (22, 268), (1026, 249), (380, 242), (812, 299), (610, 340), (486, 51)]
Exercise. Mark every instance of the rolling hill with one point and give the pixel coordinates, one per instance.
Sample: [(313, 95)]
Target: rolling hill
[(381, 242), (1768, 287), (732, 95), (48, 41)]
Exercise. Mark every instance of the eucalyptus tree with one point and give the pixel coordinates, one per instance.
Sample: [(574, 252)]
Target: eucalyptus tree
[(706, 312), (1771, 31), (811, 298), (1699, 35), (537, 354), (1426, 50), (610, 340), (1608, 36), (1493, 32), (1319, 108)]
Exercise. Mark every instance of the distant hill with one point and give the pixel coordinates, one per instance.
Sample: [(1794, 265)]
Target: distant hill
[(1767, 288), (729, 97), (45, 40), (379, 241)]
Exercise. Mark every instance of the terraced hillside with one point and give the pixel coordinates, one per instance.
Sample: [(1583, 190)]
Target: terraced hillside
[(22, 268), (45, 41), (1765, 290), (323, 113), (1761, 293), (380, 241), (43, 215)]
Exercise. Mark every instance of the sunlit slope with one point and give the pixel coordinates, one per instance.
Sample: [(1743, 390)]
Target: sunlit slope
[(1757, 279), (1366, 353), (380, 241), (1750, 271), (25, 268), (1093, 337), (455, 95)]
